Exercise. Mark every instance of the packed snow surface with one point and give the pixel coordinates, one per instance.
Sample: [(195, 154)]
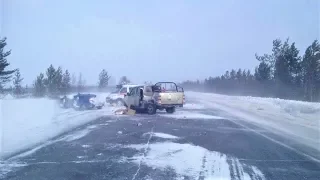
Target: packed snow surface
[(189, 115), (203, 164), (193, 106), (162, 135), (296, 119)]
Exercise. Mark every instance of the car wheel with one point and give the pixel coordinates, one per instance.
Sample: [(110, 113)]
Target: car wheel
[(170, 110), (151, 109)]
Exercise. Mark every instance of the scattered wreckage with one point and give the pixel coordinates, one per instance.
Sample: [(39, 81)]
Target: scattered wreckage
[(81, 102), (136, 98)]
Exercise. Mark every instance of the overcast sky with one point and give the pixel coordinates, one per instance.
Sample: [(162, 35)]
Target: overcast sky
[(151, 40)]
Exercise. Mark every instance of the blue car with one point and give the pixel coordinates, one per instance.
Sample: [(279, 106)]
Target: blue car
[(85, 101), (81, 102)]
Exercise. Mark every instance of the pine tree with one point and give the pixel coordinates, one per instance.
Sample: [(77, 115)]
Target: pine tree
[(17, 83), (294, 62), (49, 81), (239, 75), (39, 86), (103, 79), (66, 82), (233, 74), (5, 75), (286, 63), (263, 72), (249, 75), (311, 71), (124, 80), (270, 60), (227, 75), (58, 86), (53, 81), (244, 75)]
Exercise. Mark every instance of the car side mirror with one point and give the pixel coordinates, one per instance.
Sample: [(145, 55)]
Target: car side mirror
[(128, 94)]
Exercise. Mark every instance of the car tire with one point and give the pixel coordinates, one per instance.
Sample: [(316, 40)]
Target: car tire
[(170, 110), (151, 109)]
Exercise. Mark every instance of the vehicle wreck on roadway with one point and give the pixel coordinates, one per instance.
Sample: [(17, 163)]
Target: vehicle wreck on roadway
[(150, 98)]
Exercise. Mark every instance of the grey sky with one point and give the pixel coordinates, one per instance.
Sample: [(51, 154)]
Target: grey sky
[(166, 40)]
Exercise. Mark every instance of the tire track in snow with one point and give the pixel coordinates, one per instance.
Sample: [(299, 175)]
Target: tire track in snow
[(144, 153)]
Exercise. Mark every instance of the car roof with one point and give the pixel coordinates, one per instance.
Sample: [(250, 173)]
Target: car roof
[(131, 85)]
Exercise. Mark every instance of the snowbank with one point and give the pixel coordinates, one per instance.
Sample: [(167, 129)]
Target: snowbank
[(27, 122), (299, 120)]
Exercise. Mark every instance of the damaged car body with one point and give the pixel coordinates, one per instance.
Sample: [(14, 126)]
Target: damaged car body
[(150, 98)]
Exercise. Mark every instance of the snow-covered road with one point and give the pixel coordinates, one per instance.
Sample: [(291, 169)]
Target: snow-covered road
[(211, 137)]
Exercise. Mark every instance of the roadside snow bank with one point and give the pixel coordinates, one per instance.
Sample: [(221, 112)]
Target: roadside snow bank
[(27, 122), (300, 120)]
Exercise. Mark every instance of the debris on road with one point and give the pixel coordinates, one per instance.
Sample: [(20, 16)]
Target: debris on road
[(125, 112)]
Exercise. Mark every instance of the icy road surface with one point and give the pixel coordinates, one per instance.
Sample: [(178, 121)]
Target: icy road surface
[(201, 141)]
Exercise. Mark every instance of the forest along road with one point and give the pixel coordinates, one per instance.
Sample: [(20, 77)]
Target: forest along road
[(193, 143)]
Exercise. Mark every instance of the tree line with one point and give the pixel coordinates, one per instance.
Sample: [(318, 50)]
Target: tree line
[(56, 82), (53, 82), (283, 74)]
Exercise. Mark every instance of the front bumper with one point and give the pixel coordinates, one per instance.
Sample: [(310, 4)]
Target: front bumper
[(163, 106)]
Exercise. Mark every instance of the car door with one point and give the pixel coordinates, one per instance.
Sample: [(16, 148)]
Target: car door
[(130, 97), (136, 96)]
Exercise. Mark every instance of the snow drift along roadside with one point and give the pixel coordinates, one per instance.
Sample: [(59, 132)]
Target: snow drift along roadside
[(299, 120), (27, 122)]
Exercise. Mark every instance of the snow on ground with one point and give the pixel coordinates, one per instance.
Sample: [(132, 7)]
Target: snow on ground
[(299, 120), (189, 115), (162, 135), (27, 122), (193, 106), (203, 164), (6, 168)]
